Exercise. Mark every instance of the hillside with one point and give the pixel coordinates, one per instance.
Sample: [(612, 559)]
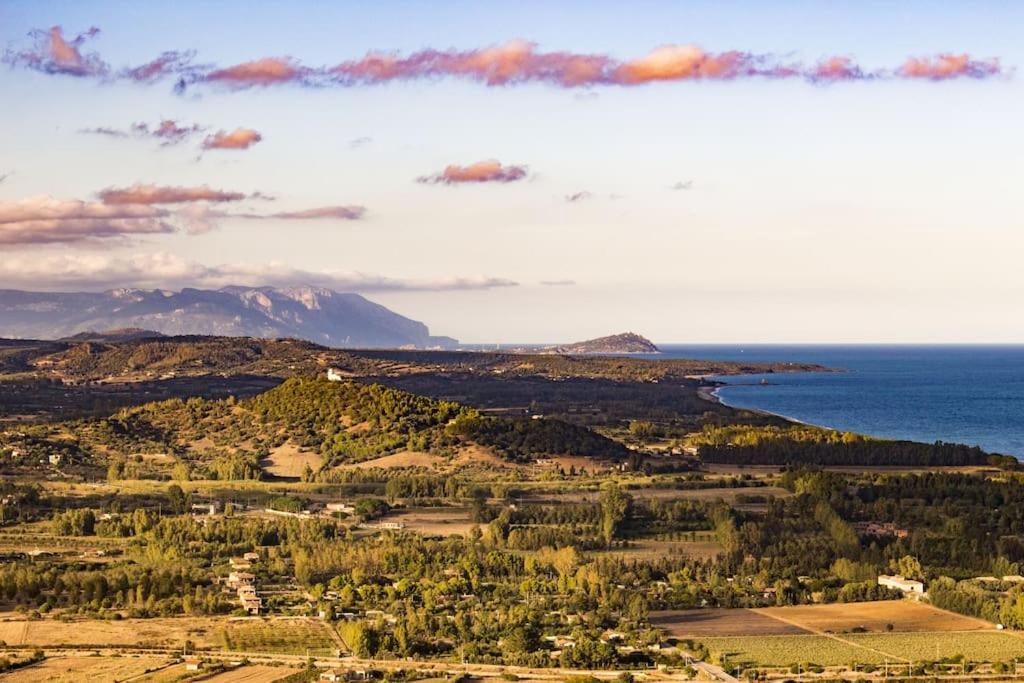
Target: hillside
[(627, 342), (314, 314), (340, 422)]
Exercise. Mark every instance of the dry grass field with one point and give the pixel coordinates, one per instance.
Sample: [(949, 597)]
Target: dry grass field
[(170, 632), (903, 615), (169, 674), (696, 623), (289, 461), (252, 674), (398, 461), (652, 549), (434, 521), (69, 669)]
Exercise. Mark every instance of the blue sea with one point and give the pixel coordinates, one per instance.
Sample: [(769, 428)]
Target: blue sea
[(963, 394)]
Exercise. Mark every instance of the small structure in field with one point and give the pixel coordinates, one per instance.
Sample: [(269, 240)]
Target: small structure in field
[(334, 376), (901, 584)]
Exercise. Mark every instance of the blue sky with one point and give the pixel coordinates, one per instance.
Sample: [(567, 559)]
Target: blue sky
[(869, 209)]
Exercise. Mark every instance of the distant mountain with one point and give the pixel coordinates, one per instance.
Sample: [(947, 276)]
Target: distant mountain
[(627, 342), (319, 315)]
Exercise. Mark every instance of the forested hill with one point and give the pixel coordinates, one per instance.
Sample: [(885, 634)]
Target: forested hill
[(340, 422), (147, 359)]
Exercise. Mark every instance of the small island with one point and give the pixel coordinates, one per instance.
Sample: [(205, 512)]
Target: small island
[(627, 342)]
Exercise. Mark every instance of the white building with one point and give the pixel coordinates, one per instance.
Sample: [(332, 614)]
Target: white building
[(334, 376), (901, 584)]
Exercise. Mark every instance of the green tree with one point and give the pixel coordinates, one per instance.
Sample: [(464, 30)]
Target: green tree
[(615, 508)]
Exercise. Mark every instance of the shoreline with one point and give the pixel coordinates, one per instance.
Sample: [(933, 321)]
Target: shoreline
[(711, 395)]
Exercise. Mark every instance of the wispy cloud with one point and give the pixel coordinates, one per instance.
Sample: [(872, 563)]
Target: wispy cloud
[(45, 220), (260, 72), (52, 53), (345, 213), (511, 63), (360, 142), (140, 210), (487, 171), (167, 132), (169, 271), (558, 283), (681, 185), (946, 66), (177, 64), (578, 196), (163, 194), (239, 138)]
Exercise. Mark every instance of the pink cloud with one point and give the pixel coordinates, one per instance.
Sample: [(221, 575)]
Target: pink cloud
[(836, 69), (155, 194), (946, 66), (684, 62), (510, 63), (487, 171), (239, 138), (259, 72), (45, 220), (55, 54), (516, 61)]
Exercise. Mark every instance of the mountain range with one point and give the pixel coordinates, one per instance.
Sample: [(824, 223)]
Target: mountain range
[(315, 314)]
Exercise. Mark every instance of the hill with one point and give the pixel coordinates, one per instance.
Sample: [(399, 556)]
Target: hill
[(314, 314), (340, 422), (626, 342), (122, 335)]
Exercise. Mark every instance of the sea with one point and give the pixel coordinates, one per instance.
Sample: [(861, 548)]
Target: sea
[(955, 393)]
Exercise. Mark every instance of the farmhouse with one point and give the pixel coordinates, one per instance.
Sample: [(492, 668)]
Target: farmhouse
[(239, 563), (238, 579), (392, 525), (251, 604), (341, 507), (901, 584)]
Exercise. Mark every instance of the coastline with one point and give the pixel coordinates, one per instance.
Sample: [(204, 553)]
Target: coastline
[(711, 395)]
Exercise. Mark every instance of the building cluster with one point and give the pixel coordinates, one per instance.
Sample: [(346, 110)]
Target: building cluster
[(243, 582), (879, 529)]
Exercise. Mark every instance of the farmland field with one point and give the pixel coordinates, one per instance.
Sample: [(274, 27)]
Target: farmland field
[(975, 645), (278, 636), (85, 668), (786, 650), (645, 549), (903, 615), (720, 622), (252, 674)]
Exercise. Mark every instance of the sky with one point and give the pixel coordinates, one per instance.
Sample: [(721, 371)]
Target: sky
[(533, 171)]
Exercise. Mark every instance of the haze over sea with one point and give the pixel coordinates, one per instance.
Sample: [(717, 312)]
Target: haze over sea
[(963, 394)]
